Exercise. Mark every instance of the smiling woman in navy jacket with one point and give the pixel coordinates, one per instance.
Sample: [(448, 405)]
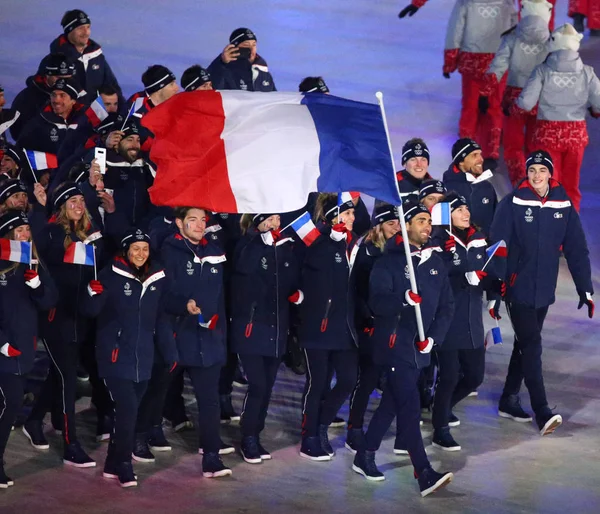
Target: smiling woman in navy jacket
[(327, 331), (537, 221), (265, 280), (195, 266), (24, 291), (128, 299)]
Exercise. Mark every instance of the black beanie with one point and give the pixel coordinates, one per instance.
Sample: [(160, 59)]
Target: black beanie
[(114, 121), (257, 219), (194, 77), (79, 172), (56, 65), (455, 200), (134, 235), (131, 128), (63, 192), (431, 186), (73, 19), (540, 157), (411, 208), (11, 187), (414, 148), (330, 208), (156, 77), (12, 219), (12, 152), (67, 86), (462, 148), (384, 212), (240, 35), (313, 85)]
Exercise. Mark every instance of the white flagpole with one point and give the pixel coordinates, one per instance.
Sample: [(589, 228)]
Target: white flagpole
[(94, 253), (411, 270), (30, 166), (30, 254)]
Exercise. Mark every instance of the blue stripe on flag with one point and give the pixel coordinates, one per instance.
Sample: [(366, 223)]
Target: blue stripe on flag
[(31, 159), (89, 255), (300, 222), (354, 152), (490, 250)]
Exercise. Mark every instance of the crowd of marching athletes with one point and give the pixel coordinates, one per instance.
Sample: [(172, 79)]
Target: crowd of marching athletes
[(141, 295)]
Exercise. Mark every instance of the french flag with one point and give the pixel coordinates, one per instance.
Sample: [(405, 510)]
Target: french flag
[(15, 251), (96, 112), (498, 249), (265, 152), (80, 253), (41, 160), (306, 229), (440, 214), (347, 196)]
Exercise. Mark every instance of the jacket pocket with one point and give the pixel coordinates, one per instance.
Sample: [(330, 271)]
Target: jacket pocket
[(325, 319), (250, 323)]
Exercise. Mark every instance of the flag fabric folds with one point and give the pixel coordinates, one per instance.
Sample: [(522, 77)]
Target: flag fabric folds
[(15, 251), (41, 160), (440, 214), (498, 249), (96, 112), (239, 151), (493, 336), (306, 229), (80, 253)]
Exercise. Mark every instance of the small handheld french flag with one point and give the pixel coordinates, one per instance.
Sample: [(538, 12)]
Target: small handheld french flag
[(305, 228), (80, 253), (96, 112), (41, 160), (440, 214), (493, 337), (347, 196), (15, 251), (498, 249), (210, 324)]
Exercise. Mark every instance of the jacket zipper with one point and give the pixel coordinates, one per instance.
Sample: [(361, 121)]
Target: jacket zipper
[(276, 300)]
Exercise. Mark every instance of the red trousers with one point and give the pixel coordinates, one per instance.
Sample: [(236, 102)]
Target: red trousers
[(589, 8), (486, 128), (553, 2)]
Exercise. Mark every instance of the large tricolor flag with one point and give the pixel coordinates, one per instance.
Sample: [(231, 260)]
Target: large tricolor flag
[(41, 160), (15, 251), (239, 151), (96, 112), (80, 253)]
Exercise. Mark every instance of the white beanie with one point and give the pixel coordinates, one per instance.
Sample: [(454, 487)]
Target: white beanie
[(540, 8), (565, 37)]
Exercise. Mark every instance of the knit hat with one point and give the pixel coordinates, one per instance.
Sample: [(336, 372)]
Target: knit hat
[(240, 35), (412, 208), (79, 172), (56, 65), (313, 85), (12, 219), (63, 192), (414, 148), (462, 148), (565, 37), (540, 8), (131, 128), (455, 200), (156, 77), (134, 235), (384, 212), (431, 186), (67, 86), (114, 121), (540, 157), (12, 152), (330, 208), (11, 187), (257, 219), (73, 19), (194, 77)]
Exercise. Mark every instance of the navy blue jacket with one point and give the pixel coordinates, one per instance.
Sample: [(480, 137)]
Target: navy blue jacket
[(65, 322), (409, 185), (196, 272), (29, 102), (479, 193), (535, 231), (92, 69), (19, 308), (131, 321), (264, 276), (242, 75), (395, 325), (327, 312)]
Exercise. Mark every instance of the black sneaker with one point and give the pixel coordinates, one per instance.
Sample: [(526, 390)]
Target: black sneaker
[(141, 451), (400, 447), (82, 374), (5, 480), (75, 456), (337, 423), (157, 440), (510, 407), (454, 421), (264, 454), (239, 379), (430, 481), (104, 428), (224, 449), (324, 438), (127, 477), (364, 464), (548, 423), (183, 425), (228, 414), (355, 439), (311, 449), (250, 450), (34, 431), (213, 467), (111, 468), (443, 440)]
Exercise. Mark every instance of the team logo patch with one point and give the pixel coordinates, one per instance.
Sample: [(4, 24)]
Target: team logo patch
[(152, 288), (485, 200), (433, 271), (127, 289), (2, 279), (266, 83), (95, 66), (54, 135), (286, 264), (479, 256), (243, 85), (418, 149), (190, 268), (214, 270), (558, 215), (456, 259), (406, 272), (213, 237), (528, 215), (263, 263), (338, 258)]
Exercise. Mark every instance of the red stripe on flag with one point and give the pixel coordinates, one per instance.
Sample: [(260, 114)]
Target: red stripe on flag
[(502, 251), (70, 253), (189, 152), (51, 160), (91, 115), (311, 237), (4, 249)]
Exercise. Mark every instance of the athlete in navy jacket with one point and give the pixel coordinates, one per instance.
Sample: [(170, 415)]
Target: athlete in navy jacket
[(327, 331), (24, 290), (537, 221), (396, 343), (265, 280), (415, 159), (195, 266)]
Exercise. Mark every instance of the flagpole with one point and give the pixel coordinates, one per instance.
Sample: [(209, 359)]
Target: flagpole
[(411, 269), (30, 166), (94, 253), (489, 259), (30, 254)]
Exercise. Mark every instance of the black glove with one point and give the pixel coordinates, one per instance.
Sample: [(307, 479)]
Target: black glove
[(483, 104), (410, 9), (490, 164), (446, 75), (586, 299), (498, 287)]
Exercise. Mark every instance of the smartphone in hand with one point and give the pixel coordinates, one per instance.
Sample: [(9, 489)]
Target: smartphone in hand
[(100, 156)]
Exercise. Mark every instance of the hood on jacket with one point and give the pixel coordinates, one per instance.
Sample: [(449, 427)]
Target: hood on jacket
[(565, 37), (565, 61), (539, 8), (533, 30)]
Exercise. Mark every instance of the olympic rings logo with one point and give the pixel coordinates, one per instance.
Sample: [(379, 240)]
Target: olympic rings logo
[(531, 49), (563, 82), (487, 11)]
